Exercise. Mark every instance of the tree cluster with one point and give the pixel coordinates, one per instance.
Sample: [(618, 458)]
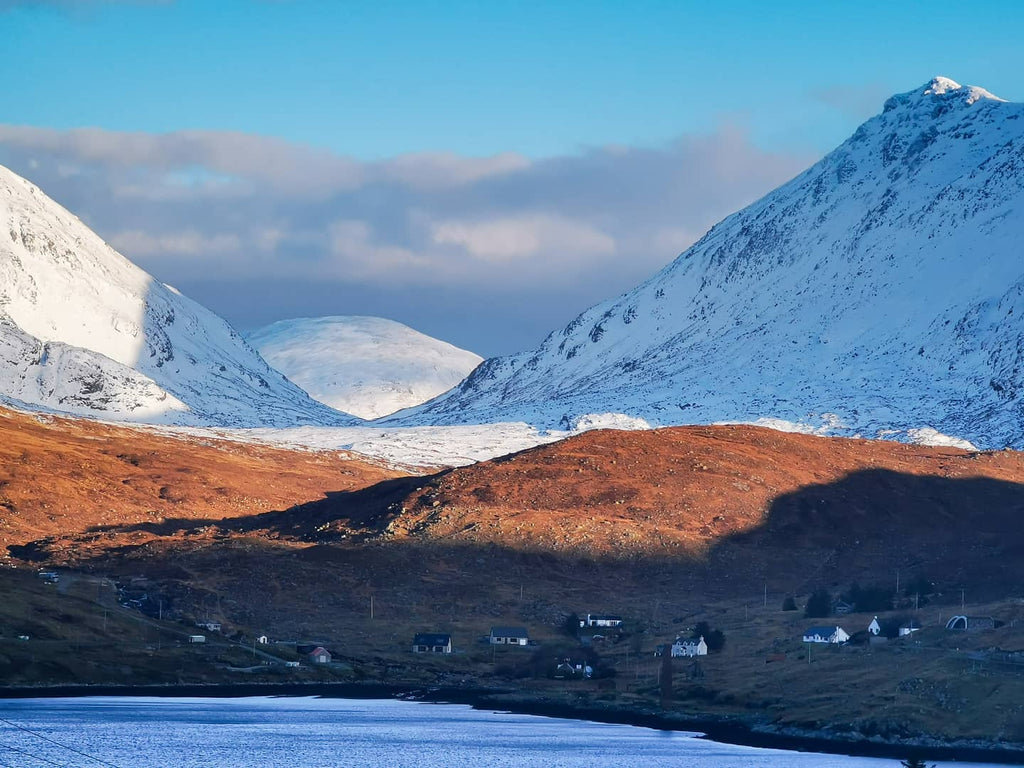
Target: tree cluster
[(819, 604), (714, 638), (869, 598)]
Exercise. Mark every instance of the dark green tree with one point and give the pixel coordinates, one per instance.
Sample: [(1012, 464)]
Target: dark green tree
[(819, 605)]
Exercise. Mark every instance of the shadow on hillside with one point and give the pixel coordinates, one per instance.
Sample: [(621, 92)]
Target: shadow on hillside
[(866, 526), (873, 522), (367, 509)]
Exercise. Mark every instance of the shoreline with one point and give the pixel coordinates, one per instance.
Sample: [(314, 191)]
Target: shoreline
[(737, 730)]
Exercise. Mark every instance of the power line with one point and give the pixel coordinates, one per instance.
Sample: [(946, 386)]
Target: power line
[(34, 757), (57, 743)]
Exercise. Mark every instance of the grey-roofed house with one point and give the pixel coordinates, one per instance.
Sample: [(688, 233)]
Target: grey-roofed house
[(509, 636), (427, 642)]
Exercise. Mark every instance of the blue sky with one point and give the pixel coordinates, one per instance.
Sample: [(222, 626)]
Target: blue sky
[(713, 103)]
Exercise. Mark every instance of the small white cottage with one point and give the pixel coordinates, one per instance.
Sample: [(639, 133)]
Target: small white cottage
[(874, 627), (689, 647), (832, 635), (509, 636)]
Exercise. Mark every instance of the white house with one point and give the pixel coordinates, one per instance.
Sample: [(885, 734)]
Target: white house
[(601, 620), (689, 647), (834, 635), (509, 636), (874, 627), (426, 642), (197, 638), (263, 640), (909, 628)]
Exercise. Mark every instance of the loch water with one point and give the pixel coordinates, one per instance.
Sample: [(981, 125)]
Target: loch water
[(311, 732)]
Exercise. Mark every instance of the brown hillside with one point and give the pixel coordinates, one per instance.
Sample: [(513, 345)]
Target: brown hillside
[(751, 503), (734, 494), (64, 476), (679, 488)]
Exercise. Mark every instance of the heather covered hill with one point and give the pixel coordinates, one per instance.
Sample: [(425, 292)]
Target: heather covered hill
[(66, 476)]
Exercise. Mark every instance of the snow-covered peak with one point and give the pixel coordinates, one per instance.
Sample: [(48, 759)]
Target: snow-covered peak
[(938, 95), (367, 366), (879, 293), (940, 85), (85, 331)]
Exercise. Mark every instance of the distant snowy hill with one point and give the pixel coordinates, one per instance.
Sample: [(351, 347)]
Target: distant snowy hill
[(367, 366), (85, 331), (881, 292)]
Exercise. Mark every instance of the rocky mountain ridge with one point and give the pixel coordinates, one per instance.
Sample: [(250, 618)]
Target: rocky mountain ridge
[(879, 293)]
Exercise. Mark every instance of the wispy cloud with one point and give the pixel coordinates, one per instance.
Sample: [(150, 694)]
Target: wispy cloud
[(201, 206), (859, 101)]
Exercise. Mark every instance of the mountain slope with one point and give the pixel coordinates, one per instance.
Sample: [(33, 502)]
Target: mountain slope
[(85, 331), (880, 292), (367, 366)]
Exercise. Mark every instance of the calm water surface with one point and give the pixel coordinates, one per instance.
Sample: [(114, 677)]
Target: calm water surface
[(297, 732)]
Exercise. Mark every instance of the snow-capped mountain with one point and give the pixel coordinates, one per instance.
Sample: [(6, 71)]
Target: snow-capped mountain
[(881, 292), (85, 331), (367, 366)]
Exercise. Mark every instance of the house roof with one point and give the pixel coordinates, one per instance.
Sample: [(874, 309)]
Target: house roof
[(689, 640), (823, 631), (603, 617), (319, 650), (509, 632), (427, 638)]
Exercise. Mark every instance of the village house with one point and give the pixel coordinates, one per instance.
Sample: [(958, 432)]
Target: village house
[(319, 655), (509, 636), (571, 669), (874, 627), (689, 647), (431, 643), (841, 607), (600, 620), (263, 640), (197, 638), (833, 635), (909, 628)]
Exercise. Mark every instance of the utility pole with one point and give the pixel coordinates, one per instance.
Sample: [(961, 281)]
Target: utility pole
[(371, 607), (897, 582), (961, 601), (766, 594)]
